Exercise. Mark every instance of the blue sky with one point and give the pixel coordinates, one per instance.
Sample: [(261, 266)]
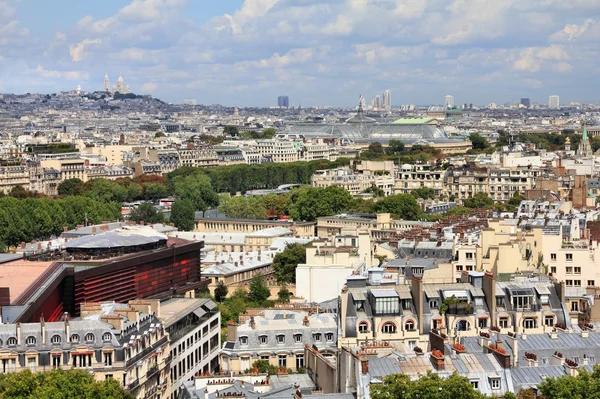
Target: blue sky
[(326, 52)]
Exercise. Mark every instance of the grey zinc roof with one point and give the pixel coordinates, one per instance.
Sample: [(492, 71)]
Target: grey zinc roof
[(113, 239), (380, 367)]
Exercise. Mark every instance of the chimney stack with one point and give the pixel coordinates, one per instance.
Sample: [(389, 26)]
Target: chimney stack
[(18, 333), (305, 321), (252, 323), (364, 365), (43, 325)]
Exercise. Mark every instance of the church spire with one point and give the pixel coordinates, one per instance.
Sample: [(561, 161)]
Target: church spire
[(584, 131)]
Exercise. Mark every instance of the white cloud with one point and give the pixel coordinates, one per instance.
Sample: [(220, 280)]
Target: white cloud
[(149, 87), (78, 51), (562, 67), (67, 75)]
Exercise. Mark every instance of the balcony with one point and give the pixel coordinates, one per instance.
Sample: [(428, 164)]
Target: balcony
[(152, 371), (147, 351), (133, 385), (151, 392), (460, 309)]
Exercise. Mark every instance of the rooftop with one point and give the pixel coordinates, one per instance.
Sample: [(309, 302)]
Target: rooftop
[(20, 274)]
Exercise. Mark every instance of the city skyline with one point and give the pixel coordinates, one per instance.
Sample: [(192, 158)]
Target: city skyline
[(319, 54)]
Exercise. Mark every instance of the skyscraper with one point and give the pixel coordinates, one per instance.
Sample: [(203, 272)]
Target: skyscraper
[(449, 101), (378, 102), (387, 100), (283, 101), (526, 102), (554, 102)]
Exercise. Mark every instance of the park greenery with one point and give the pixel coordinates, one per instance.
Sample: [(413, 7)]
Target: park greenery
[(431, 386), (285, 263), (396, 151), (59, 384), (242, 299)]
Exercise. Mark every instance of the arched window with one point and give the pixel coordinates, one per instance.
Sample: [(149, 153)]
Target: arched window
[(409, 325), (30, 341), (75, 338), (89, 337), (388, 328), (12, 341), (107, 337), (55, 340), (363, 327), (463, 325)]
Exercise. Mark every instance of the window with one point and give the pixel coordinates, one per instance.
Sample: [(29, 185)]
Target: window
[(409, 325), (363, 327), (475, 384), (297, 338), (569, 283), (265, 357), (553, 270), (243, 340), (500, 301), (31, 363), (56, 360), (107, 376), (549, 321), (317, 337), (12, 341), (577, 283), (574, 306), (553, 257), (262, 339), (569, 270), (55, 340), (529, 323), (469, 255), (30, 341), (577, 269), (89, 337), (281, 339), (495, 383), (299, 361), (388, 328), (503, 322), (107, 337), (459, 268), (108, 358), (282, 360), (433, 303), (387, 305), (569, 257), (482, 322), (591, 283), (75, 338), (329, 337)]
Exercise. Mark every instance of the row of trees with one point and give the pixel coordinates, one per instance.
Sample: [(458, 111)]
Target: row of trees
[(308, 203), (397, 152), (39, 218), (585, 384), (59, 384)]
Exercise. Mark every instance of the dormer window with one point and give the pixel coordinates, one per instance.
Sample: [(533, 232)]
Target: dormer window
[(409, 325), (329, 337), (317, 337), (243, 340), (281, 339), (55, 340), (388, 328), (107, 337), (12, 341), (30, 341), (75, 338), (262, 339), (89, 337), (298, 338), (363, 327)]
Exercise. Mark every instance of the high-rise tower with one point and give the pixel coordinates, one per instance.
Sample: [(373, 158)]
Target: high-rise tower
[(387, 100), (449, 101)]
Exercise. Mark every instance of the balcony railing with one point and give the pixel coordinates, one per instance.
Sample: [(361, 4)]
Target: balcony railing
[(147, 351), (460, 309), (152, 371), (133, 385)]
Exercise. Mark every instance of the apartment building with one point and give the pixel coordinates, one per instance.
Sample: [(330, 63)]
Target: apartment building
[(198, 158), (43, 180), (193, 325), (412, 177), (279, 151), (350, 181), (69, 168), (13, 176), (230, 225), (126, 342), (379, 309), (466, 181), (381, 227), (279, 337), (504, 183)]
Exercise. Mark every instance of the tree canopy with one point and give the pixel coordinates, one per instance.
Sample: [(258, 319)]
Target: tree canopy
[(403, 206), (259, 292), (309, 203), (70, 187), (59, 384), (146, 212), (430, 386), (183, 214), (245, 208), (585, 385), (479, 142), (285, 263), (479, 200)]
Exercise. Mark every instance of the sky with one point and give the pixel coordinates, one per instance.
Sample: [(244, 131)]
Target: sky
[(317, 52)]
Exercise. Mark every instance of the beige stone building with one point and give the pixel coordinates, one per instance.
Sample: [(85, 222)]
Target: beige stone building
[(13, 176), (352, 182), (229, 225), (68, 168), (412, 177), (380, 227)]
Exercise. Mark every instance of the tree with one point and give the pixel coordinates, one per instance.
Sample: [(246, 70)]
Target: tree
[(147, 213), (479, 142), (259, 292), (515, 200), (244, 208), (423, 192), (18, 192), (70, 187), (198, 189), (221, 291), (159, 134), (309, 203), (155, 191), (285, 263), (374, 151), (230, 130), (395, 147), (431, 385), (479, 200), (183, 214), (263, 366), (105, 190), (585, 385), (403, 206), (59, 384), (284, 295)]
